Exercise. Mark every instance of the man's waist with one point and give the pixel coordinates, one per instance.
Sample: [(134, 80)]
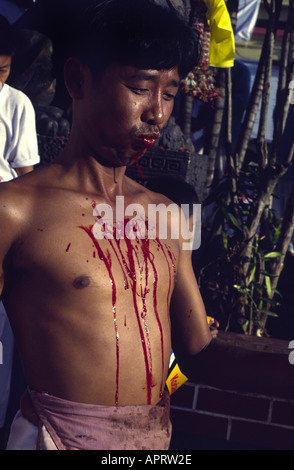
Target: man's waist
[(74, 425)]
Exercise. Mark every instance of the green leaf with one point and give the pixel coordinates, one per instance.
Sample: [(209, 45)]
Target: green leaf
[(272, 254), (277, 292), (242, 290), (270, 301), (251, 277), (234, 220), (268, 285), (225, 240), (245, 326), (277, 234), (267, 312), (268, 274)]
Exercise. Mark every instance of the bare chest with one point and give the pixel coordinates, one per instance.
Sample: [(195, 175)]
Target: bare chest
[(65, 253)]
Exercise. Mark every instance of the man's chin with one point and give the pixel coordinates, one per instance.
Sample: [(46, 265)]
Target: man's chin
[(131, 159), (122, 158), (117, 161)]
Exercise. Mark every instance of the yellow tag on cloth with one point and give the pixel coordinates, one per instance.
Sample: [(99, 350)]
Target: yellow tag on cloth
[(175, 379), (222, 41)]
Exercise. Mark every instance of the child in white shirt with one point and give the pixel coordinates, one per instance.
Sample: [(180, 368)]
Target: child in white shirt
[(18, 138), (18, 155)]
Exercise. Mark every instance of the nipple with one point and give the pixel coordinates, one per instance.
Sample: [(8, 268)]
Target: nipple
[(81, 282)]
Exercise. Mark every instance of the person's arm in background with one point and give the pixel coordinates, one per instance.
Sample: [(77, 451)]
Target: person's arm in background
[(24, 170)]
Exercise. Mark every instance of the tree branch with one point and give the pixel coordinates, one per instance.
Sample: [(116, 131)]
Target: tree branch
[(257, 90), (282, 103)]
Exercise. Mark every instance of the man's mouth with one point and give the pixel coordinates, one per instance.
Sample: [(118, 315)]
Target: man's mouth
[(147, 141)]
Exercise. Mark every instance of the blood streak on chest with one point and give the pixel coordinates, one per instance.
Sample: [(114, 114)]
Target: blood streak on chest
[(108, 264), (141, 277)]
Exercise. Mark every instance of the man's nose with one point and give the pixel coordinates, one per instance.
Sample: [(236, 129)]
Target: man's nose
[(153, 114)]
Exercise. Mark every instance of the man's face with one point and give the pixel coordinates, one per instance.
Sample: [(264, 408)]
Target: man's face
[(5, 66), (122, 113)]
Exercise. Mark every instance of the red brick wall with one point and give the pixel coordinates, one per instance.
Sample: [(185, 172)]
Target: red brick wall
[(256, 420)]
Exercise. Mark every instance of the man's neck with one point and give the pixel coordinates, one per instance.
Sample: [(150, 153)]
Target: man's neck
[(91, 175)]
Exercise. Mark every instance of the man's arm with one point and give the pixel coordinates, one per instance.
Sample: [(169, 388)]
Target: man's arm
[(190, 330), (10, 223), (215, 362), (224, 365)]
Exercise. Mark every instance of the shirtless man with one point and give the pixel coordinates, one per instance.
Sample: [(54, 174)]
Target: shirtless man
[(93, 318)]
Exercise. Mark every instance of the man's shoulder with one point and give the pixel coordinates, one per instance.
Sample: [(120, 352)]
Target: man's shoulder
[(12, 213), (158, 198), (21, 190), (12, 196), (150, 197)]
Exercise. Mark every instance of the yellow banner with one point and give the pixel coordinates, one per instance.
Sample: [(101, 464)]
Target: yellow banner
[(222, 41)]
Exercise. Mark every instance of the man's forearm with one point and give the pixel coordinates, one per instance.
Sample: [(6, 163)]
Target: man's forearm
[(224, 365)]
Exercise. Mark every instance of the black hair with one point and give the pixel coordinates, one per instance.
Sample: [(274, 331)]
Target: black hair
[(6, 37), (133, 32)]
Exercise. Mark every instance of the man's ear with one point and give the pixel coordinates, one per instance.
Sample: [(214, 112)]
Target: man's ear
[(74, 77)]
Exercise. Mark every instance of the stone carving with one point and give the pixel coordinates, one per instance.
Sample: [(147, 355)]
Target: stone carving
[(32, 74), (172, 138)]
